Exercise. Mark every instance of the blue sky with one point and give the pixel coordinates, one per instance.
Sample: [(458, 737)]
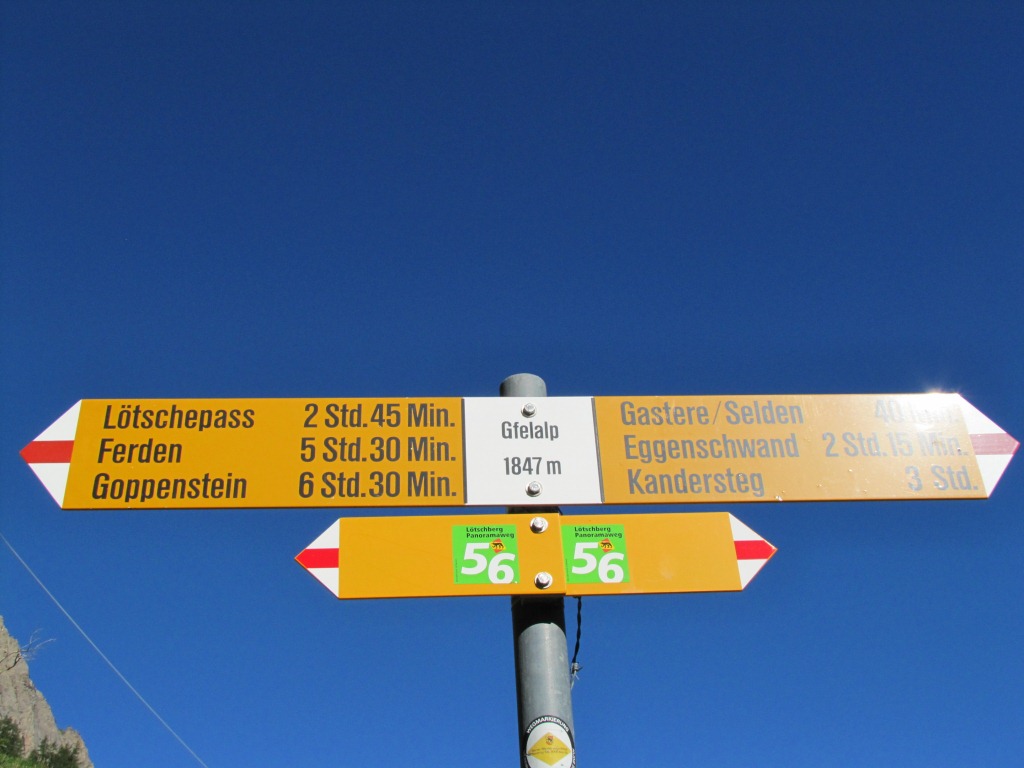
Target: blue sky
[(409, 199)]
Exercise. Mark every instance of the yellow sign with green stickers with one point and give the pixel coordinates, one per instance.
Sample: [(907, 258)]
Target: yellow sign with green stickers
[(524, 554)]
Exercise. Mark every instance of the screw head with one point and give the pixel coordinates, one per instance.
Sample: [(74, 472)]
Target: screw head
[(529, 410), (538, 525), (534, 489), (543, 580)]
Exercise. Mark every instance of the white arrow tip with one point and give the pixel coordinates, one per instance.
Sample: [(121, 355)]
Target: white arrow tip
[(993, 448), (752, 551), (49, 455), (320, 558)]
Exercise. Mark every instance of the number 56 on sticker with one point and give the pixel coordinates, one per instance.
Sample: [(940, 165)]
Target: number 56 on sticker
[(485, 554), (595, 554)]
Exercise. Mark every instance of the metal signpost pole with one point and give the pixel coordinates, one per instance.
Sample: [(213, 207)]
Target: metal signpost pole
[(541, 654)]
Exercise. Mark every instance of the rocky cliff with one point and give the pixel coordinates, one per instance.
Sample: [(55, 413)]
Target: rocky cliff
[(20, 701)]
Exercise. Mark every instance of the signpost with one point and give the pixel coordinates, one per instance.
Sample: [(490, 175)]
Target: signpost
[(526, 554), (532, 454), (517, 451)]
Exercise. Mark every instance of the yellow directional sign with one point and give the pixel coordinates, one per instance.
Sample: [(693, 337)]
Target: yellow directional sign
[(797, 448), (521, 554), (366, 452), (508, 451), (654, 553), (434, 556)]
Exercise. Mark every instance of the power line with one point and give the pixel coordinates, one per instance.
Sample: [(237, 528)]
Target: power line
[(101, 654)]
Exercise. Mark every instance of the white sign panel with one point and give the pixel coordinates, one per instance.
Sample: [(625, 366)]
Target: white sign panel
[(531, 451)]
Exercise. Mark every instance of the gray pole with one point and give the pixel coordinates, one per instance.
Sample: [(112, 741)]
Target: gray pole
[(546, 728)]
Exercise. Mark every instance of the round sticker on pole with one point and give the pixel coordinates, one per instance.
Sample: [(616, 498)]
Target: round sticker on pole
[(549, 744)]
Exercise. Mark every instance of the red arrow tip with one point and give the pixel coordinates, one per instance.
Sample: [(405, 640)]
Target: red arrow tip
[(317, 558), (758, 549), (48, 452)]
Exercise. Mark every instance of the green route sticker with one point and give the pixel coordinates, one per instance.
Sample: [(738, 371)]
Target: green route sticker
[(595, 554), (485, 554)]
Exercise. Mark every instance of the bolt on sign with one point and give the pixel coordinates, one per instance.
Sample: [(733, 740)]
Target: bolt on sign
[(511, 451)]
